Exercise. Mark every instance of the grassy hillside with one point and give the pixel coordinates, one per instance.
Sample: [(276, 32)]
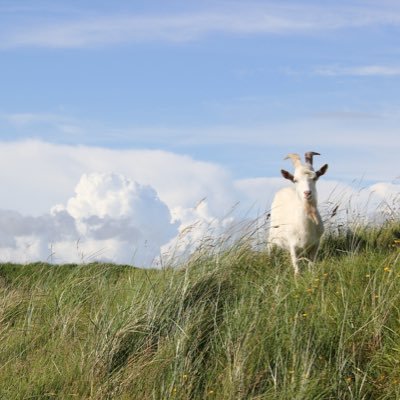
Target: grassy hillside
[(229, 324)]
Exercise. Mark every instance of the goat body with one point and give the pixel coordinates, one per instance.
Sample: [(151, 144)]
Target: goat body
[(296, 224), (295, 228)]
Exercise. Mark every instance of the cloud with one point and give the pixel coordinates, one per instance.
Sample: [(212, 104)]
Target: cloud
[(58, 226), (355, 203), (385, 189), (360, 71), (346, 129), (252, 19), (109, 218), (22, 119), (109, 207), (49, 172), (112, 218), (27, 238), (54, 124), (259, 192)]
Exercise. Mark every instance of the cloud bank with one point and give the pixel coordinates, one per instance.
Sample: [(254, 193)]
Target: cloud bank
[(133, 206), (109, 218)]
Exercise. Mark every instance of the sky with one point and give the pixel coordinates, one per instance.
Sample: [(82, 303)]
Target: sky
[(117, 113)]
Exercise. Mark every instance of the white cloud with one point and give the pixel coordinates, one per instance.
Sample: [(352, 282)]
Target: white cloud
[(21, 119), (259, 192), (250, 19), (48, 124), (361, 71), (110, 217), (384, 189), (27, 238), (353, 203), (349, 137), (109, 205), (49, 172)]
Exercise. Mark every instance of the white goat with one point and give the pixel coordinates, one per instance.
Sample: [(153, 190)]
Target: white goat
[(296, 224)]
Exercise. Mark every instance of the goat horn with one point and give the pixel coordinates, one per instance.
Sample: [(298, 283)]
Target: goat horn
[(295, 159), (309, 157)]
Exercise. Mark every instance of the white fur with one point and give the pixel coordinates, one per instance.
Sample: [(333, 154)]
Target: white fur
[(296, 224)]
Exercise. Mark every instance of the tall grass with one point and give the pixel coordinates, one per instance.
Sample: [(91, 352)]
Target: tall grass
[(231, 323)]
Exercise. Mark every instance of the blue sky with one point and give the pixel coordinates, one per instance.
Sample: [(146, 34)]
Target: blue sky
[(224, 89), (221, 81)]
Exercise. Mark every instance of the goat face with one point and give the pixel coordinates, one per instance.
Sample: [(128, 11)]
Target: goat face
[(305, 179)]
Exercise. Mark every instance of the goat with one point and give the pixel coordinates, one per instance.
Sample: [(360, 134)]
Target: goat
[(296, 224)]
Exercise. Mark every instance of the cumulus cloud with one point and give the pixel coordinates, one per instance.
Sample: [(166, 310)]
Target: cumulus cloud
[(110, 206), (13, 225), (104, 206), (28, 238), (110, 217)]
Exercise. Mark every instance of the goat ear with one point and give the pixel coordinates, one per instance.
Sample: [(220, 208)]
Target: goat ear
[(287, 175), (322, 170)]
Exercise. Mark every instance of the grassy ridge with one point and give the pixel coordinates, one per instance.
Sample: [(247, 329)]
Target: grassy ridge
[(230, 324)]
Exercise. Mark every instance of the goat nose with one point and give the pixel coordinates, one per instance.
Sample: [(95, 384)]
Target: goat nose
[(307, 193)]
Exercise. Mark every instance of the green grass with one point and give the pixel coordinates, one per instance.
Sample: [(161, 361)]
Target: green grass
[(232, 323)]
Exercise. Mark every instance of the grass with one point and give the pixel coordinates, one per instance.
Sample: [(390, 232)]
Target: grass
[(232, 323)]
